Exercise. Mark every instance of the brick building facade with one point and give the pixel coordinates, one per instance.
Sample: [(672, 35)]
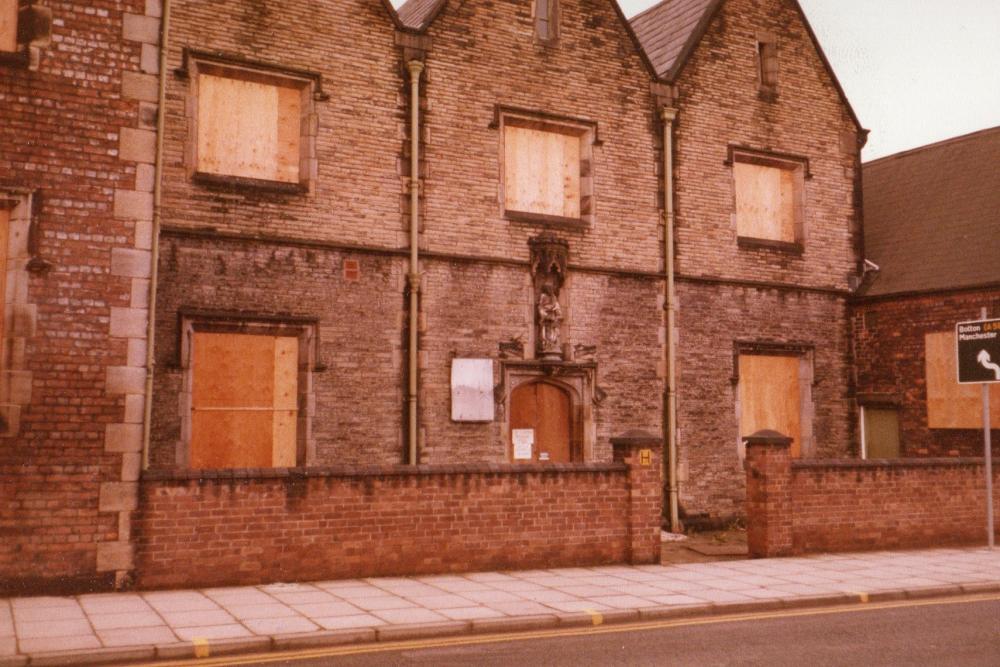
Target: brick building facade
[(284, 275), (930, 227), (77, 117)]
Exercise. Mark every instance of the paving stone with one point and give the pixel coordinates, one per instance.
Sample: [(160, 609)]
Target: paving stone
[(137, 636), (212, 632), (51, 644), (446, 600), (623, 602), (325, 609), (8, 646), (189, 619), (113, 603), (358, 592), (278, 626), (486, 597), (36, 602), (179, 601), (520, 608), (345, 622), (675, 600), (383, 603), (305, 597), (408, 616), (39, 629), (273, 610), (139, 619), (48, 614), (470, 613), (577, 605)]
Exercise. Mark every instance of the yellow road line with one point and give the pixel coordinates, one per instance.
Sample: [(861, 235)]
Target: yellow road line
[(471, 640)]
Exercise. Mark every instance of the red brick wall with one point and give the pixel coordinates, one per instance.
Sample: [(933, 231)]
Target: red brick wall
[(851, 505), (718, 304), (60, 138), (890, 360), (205, 529)]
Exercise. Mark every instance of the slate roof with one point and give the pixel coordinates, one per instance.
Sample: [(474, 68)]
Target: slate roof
[(932, 215), (671, 29), (416, 13)]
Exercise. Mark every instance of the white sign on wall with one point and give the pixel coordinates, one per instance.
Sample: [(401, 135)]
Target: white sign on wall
[(524, 441), (472, 390)]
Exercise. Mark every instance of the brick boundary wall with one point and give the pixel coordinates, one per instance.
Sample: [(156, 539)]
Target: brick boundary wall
[(217, 528), (797, 507)]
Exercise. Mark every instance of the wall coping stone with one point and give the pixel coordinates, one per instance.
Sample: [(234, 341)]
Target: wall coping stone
[(873, 464), (183, 474)]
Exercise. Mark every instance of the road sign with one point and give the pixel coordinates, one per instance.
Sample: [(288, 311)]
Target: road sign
[(978, 351)]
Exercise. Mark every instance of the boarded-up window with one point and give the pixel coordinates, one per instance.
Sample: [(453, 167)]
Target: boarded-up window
[(767, 61), (949, 404), (244, 401), (770, 397), (8, 25), (767, 201), (249, 128), (880, 437), (541, 172), (546, 19)]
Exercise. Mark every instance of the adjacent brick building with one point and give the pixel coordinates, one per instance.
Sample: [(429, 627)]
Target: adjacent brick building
[(78, 91), (931, 220), (283, 277)]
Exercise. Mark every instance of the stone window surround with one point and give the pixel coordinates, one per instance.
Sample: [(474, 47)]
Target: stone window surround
[(577, 379), (34, 27), (767, 47), (305, 329), (19, 316), (806, 353), (586, 129), (219, 64), (768, 158), (551, 24)]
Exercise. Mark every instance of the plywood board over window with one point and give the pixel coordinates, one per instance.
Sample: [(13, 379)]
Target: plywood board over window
[(4, 248), (766, 202), (770, 397), (541, 172), (949, 404), (244, 400), (8, 25), (249, 128)]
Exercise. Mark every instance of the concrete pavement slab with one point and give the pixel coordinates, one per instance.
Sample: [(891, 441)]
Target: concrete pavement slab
[(179, 601), (280, 626), (442, 601), (469, 613), (243, 612), (192, 619), (52, 644), (523, 608), (386, 602), (323, 609), (224, 631), (136, 636), (48, 614), (409, 616), (138, 619), (40, 629), (114, 603), (348, 622)]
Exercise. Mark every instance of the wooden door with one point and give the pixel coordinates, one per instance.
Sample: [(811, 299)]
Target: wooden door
[(545, 410), (244, 403), (769, 397)]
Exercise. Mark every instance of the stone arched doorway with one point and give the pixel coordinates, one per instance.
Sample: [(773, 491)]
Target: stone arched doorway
[(543, 413)]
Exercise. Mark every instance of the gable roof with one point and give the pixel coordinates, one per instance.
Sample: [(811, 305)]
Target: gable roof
[(672, 28), (932, 215), (417, 14), (670, 31)]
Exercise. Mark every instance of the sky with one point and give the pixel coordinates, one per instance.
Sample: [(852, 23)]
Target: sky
[(915, 71)]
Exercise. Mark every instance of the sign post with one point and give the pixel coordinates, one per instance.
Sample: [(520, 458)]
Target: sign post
[(978, 346)]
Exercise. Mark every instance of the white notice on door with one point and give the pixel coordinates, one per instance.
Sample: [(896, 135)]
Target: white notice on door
[(524, 440)]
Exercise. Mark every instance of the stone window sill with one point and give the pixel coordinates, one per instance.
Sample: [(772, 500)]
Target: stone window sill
[(555, 221), (248, 184), (750, 243)]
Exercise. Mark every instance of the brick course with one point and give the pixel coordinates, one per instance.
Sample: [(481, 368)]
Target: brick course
[(253, 526), (849, 505)]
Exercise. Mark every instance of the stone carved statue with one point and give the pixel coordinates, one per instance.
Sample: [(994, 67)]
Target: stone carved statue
[(549, 256), (549, 320)]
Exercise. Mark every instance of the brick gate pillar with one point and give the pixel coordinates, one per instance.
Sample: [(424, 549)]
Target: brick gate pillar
[(769, 494), (641, 452)]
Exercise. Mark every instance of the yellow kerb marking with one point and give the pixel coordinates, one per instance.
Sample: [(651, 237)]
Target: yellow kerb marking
[(201, 649), (863, 597), (595, 616)]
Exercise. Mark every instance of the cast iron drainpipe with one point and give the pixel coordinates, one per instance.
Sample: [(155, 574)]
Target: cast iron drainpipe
[(147, 412), (413, 278), (668, 115)]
